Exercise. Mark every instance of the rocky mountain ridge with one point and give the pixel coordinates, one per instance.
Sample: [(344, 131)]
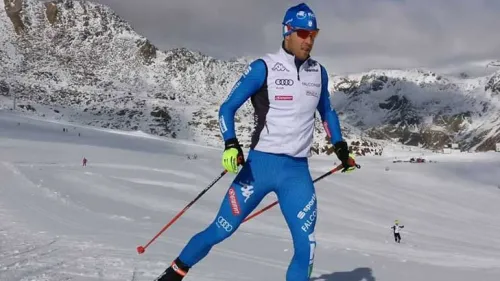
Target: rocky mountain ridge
[(420, 107)]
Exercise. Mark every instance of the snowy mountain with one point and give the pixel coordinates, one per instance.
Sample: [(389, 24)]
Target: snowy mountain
[(78, 61), (418, 107)]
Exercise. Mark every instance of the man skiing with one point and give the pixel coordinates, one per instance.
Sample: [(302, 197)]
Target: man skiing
[(285, 88), (396, 229)]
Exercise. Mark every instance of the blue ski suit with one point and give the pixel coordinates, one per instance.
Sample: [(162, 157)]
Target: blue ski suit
[(285, 94)]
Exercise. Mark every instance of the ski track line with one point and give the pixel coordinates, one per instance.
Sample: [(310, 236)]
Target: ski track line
[(29, 262), (180, 173), (169, 184), (55, 217), (82, 259), (31, 248)]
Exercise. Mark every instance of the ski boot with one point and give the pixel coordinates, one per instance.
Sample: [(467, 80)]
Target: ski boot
[(175, 272)]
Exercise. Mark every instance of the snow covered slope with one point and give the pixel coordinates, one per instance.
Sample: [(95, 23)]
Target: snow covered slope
[(61, 221), (83, 63)]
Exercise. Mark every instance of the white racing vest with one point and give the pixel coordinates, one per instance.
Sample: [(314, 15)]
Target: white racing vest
[(397, 228), (285, 106)]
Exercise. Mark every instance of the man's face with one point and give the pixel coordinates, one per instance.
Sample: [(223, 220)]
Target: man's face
[(301, 42)]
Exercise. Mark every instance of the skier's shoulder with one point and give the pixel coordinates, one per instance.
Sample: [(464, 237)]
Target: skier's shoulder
[(257, 67)]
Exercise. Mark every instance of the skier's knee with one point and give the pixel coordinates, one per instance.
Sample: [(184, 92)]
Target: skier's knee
[(304, 249)]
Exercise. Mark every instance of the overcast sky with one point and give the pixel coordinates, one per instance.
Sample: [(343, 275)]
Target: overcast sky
[(356, 35)]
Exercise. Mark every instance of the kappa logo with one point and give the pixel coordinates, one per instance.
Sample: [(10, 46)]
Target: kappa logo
[(247, 191), (224, 224), (280, 67), (284, 82), (233, 201)]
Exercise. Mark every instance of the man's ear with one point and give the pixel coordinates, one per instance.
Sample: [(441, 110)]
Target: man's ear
[(287, 38)]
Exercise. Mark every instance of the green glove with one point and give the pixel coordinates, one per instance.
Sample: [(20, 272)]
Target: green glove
[(347, 159), (232, 156), (352, 163)]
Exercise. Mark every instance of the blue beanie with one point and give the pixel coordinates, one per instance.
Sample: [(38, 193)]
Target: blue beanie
[(299, 17)]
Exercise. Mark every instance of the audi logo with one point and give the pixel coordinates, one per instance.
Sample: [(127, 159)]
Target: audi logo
[(222, 222), (284, 82)]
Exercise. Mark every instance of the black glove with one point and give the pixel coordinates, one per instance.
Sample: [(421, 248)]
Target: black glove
[(342, 151), (233, 143)]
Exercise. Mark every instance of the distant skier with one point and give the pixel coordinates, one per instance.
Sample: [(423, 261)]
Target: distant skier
[(84, 161), (396, 229)]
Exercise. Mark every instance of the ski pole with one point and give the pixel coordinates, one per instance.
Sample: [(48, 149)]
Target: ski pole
[(141, 249), (339, 167)]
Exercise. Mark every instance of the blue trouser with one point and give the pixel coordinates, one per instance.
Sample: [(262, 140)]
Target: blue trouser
[(290, 179)]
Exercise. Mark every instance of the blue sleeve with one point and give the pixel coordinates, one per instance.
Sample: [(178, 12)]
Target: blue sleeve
[(328, 115), (249, 83)]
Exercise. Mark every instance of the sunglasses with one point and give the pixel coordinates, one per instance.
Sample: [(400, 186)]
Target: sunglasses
[(304, 34)]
